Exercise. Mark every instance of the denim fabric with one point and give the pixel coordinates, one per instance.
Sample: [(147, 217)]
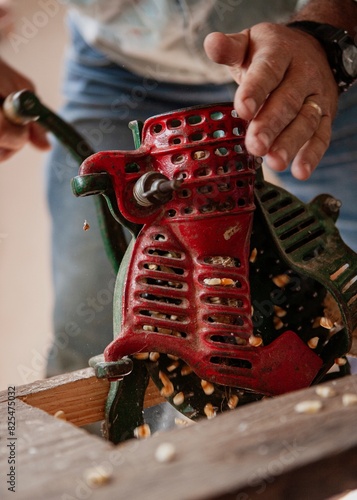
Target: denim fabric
[(101, 99)]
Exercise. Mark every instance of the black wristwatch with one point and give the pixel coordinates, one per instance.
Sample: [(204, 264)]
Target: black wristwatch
[(340, 48)]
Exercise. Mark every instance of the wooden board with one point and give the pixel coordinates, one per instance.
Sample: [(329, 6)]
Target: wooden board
[(80, 395), (265, 450)]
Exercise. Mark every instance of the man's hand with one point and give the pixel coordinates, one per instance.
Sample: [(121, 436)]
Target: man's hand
[(14, 137), (287, 90)]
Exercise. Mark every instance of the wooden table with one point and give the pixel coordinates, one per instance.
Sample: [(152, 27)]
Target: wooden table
[(266, 450)]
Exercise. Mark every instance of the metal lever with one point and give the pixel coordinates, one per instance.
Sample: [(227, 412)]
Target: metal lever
[(18, 109), (24, 107)]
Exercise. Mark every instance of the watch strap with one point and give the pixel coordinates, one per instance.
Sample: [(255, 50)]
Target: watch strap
[(332, 39), (318, 30)]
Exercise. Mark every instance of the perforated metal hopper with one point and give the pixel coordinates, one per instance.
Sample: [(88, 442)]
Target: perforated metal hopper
[(228, 276)]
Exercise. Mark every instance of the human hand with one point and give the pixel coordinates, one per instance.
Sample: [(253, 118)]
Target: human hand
[(14, 137), (287, 90)]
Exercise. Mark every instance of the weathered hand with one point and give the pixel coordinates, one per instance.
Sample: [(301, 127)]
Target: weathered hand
[(14, 137), (286, 88)]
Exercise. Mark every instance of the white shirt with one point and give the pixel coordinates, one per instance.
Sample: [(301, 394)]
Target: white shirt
[(163, 39)]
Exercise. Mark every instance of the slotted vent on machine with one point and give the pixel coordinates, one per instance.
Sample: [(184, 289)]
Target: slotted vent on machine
[(189, 291), (188, 286)]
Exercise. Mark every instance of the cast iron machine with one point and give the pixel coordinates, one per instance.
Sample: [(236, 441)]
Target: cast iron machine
[(224, 290), (231, 289)]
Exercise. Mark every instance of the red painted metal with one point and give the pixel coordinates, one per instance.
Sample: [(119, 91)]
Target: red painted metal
[(187, 286)]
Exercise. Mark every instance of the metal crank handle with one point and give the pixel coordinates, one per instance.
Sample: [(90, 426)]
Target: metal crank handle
[(24, 107)]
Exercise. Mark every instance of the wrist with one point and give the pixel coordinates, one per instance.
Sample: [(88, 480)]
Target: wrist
[(340, 49)]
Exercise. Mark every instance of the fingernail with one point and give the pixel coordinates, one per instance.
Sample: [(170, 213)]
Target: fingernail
[(264, 139), (306, 169), (251, 105), (283, 155), (302, 172)]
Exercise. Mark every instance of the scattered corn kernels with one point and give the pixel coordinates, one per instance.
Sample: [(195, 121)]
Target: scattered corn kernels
[(326, 323), (165, 331), (165, 452), (349, 399), (141, 355), (277, 323), (60, 414), (178, 399), (173, 366), (233, 402), (279, 312), (255, 341), (97, 476), (253, 255), (198, 155), (209, 411), (325, 391), (281, 280), (154, 356), (212, 281), (227, 282), (219, 281), (186, 370), (312, 343), (168, 388), (312, 406), (142, 431), (207, 387), (183, 422)]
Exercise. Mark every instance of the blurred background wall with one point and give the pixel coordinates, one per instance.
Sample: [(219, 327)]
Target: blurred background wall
[(34, 44)]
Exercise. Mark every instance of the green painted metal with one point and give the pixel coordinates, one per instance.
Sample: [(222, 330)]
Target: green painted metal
[(309, 242), (113, 238), (124, 406), (136, 128)]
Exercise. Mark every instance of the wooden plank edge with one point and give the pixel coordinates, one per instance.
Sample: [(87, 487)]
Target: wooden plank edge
[(263, 450), (78, 397)]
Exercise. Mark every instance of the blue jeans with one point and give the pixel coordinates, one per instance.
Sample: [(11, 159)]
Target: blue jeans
[(101, 99)]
